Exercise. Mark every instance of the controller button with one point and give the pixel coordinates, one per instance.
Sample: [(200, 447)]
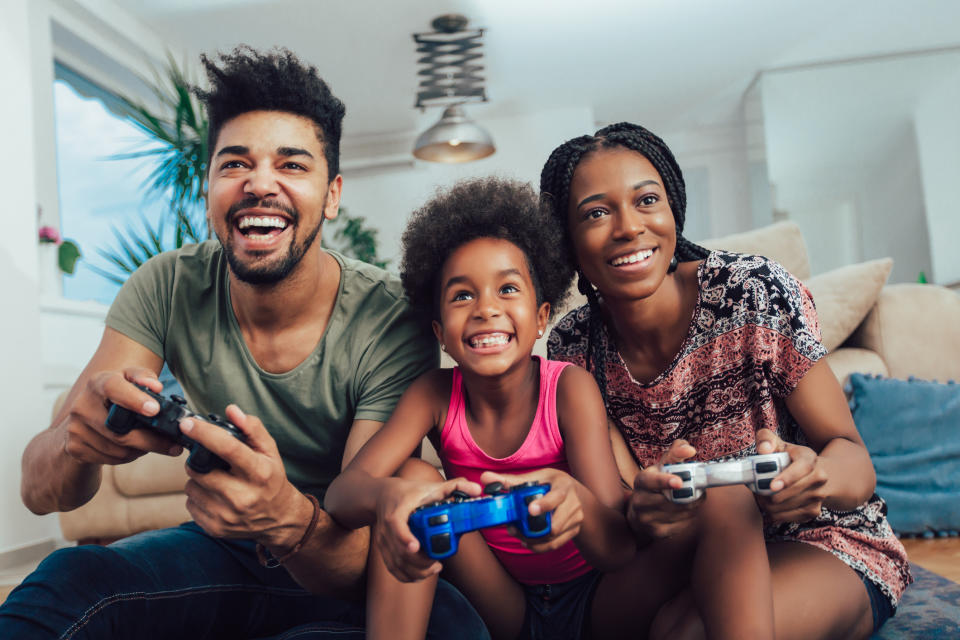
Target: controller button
[(686, 492), (440, 543), (178, 399), (683, 475), (437, 519), (766, 467), (764, 483), (537, 524), (459, 496), (495, 489)]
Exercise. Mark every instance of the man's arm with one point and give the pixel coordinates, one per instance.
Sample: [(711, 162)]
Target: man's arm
[(61, 465), (256, 500)]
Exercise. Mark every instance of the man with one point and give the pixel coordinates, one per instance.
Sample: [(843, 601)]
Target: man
[(316, 346)]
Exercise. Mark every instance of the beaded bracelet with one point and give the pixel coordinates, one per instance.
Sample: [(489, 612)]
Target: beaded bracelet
[(267, 559)]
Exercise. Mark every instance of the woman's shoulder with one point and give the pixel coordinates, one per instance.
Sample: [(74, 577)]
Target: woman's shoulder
[(568, 338), (746, 280)]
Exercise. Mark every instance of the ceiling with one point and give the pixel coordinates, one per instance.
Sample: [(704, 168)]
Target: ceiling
[(670, 64)]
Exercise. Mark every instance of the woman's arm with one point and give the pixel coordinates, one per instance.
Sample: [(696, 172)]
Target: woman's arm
[(835, 471)]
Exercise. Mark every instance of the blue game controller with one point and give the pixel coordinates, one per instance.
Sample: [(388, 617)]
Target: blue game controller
[(438, 526)]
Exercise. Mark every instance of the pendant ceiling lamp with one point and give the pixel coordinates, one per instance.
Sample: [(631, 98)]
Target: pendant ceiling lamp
[(450, 77)]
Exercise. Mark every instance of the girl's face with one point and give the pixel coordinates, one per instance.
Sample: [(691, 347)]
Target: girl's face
[(489, 317), (621, 224)]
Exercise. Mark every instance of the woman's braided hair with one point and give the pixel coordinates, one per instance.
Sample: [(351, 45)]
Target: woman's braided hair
[(555, 193)]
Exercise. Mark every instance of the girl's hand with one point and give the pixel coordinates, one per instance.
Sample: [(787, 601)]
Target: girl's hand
[(649, 512), (562, 501), (391, 534), (800, 488)]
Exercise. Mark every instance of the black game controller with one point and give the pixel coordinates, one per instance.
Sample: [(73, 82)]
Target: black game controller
[(167, 421)]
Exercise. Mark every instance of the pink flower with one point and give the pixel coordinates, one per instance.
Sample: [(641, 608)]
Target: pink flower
[(49, 234)]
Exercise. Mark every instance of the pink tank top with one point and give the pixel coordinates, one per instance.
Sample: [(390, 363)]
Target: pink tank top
[(543, 447)]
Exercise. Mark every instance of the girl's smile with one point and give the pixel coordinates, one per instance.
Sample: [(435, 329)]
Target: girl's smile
[(489, 316)]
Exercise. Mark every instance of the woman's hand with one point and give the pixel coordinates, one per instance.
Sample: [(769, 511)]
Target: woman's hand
[(562, 502), (800, 488), (391, 533), (649, 512)]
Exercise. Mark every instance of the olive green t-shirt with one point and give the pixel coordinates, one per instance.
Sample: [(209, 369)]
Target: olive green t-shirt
[(178, 306)]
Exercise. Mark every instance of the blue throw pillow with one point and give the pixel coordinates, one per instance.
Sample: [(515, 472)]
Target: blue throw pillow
[(912, 430)]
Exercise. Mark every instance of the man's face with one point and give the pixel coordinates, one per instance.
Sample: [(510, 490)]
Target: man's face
[(269, 193)]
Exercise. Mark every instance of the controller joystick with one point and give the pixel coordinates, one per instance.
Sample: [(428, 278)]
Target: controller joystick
[(754, 471), (173, 409), (438, 526)]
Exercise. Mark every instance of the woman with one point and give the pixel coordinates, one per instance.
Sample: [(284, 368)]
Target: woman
[(708, 355)]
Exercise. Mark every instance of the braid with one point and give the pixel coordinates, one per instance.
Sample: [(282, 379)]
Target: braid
[(555, 195)]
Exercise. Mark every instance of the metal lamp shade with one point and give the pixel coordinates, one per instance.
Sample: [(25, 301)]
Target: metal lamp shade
[(455, 138)]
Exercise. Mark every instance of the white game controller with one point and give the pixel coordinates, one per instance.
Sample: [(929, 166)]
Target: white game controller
[(754, 471)]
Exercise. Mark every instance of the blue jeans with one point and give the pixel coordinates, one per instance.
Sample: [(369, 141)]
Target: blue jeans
[(183, 583)]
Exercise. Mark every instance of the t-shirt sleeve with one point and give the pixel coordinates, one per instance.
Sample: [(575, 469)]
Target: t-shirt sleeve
[(791, 313), (403, 350), (141, 308)]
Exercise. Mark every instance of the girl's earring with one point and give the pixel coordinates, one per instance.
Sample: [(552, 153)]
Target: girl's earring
[(539, 333), (443, 347), (673, 264)]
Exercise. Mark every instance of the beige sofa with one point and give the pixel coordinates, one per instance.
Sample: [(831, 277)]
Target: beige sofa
[(895, 330)]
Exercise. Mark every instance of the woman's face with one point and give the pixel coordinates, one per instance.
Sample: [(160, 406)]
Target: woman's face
[(621, 224)]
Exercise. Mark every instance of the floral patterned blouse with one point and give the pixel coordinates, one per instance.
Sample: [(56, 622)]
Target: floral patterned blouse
[(753, 336)]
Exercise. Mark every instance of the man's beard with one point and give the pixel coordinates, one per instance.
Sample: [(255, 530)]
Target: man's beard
[(275, 271)]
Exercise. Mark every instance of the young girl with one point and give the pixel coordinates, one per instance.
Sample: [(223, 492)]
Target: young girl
[(707, 354), (485, 261)]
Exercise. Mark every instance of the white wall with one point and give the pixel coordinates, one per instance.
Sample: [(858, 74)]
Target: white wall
[(846, 166), (44, 342), (386, 196), (892, 220), (20, 378), (714, 163), (938, 138)]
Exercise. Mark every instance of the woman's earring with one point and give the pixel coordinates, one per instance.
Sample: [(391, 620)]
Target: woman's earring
[(540, 333), (673, 264)]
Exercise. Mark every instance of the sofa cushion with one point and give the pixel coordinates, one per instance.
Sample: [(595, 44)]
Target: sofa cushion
[(781, 241), (847, 360), (912, 430), (844, 296), (916, 330), (151, 474)]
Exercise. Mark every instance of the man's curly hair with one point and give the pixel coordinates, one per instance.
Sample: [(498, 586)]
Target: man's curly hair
[(483, 208), (247, 80)]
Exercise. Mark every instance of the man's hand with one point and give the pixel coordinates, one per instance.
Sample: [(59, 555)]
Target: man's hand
[(254, 499), (649, 512), (86, 437), (800, 488)]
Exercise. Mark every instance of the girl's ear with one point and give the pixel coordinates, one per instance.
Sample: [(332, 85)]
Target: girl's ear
[(437, 331), (543, 315)]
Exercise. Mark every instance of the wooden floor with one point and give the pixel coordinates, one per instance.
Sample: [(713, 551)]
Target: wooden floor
[(940, 555)]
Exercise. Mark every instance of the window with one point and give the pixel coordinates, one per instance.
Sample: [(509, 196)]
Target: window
[(99, 194)]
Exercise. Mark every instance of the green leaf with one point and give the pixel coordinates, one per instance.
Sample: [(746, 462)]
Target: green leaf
[(67, 256)]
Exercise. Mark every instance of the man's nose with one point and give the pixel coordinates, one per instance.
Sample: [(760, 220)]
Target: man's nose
[(261, 182)]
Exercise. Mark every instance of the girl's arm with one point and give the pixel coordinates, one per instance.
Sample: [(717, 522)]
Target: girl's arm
[(605, 538), (353, 497), (835, 470)]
